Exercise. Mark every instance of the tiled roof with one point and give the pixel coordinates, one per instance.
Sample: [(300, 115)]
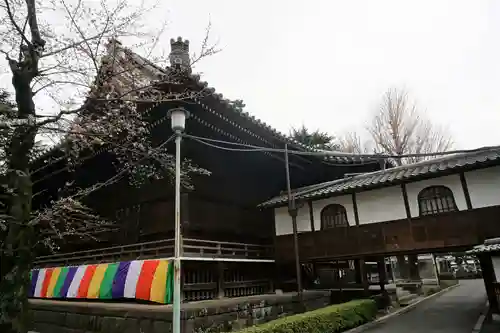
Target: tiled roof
[(490, 245), (159, 72), (487, 155), (154, 72)]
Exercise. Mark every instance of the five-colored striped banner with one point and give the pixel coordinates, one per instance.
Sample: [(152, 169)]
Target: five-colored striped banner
[(150, 280)]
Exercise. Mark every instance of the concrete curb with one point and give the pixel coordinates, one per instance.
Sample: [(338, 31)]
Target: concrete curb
[(399, 312), (480, 321)]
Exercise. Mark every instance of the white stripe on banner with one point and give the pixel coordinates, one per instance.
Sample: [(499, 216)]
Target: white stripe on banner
[(39, 282), (75, 284), (132, 277)]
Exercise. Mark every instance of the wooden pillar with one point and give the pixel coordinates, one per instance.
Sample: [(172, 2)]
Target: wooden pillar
[(361, 276), (406, 202), (382, 274), (413, 268), (220, 279), (357, 271), (311, 215), (489, 279), (271, 275), (402, 267), (466, 191)]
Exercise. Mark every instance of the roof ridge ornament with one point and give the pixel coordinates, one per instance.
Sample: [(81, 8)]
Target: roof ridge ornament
[(112, 46), (179, 54)]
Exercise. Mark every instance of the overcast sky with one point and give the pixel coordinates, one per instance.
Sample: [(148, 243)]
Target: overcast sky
[(327, 63)]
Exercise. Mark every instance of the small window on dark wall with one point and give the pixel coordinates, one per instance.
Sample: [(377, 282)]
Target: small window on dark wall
[(333, 216), (435, 200)]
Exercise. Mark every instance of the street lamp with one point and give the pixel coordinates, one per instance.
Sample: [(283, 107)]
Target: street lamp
[(178, 121)]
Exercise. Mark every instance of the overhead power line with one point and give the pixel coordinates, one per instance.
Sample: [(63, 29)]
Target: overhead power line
[(362, 159), (251, 149), (326, 153)]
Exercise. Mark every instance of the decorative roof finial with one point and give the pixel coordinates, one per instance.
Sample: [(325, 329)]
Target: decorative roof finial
[(179, 54), (112, 46)]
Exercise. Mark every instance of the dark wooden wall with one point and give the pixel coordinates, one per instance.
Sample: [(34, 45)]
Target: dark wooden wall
[(148, 214), (201, 219), (424, 234), (228, 222), (222, 206)]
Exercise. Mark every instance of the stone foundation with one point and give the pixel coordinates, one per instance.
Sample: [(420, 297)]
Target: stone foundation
[(223, 315)]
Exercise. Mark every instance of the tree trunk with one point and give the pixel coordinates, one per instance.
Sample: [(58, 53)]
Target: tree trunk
[(16, 251)]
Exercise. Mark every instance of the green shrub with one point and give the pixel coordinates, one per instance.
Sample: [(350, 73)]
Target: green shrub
[(332, 319)]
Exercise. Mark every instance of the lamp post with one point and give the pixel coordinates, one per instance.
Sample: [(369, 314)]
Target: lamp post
[(178, 120)]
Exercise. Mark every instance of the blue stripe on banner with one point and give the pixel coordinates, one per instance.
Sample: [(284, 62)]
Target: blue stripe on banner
[(34, 278)]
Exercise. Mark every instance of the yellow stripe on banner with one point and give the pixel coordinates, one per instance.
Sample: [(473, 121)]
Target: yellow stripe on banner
[(95, 283), (159, 284), (53, 282)]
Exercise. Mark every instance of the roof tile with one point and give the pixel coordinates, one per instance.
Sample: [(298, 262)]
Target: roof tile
[(405, 172)]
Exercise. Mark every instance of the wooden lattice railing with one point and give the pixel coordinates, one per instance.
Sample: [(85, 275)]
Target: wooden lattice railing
[(209, 281), (192, 248), (215, 249), (147, 250)]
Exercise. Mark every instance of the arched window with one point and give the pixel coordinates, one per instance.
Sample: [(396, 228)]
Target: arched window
[(333, 216), (435, 200)]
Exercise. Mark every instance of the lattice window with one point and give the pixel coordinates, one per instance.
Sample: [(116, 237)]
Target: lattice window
[(333, 216), (435, 200)]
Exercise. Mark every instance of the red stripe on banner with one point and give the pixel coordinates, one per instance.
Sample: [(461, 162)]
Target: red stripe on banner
[(46, 281), (85, 282), (143, 288)]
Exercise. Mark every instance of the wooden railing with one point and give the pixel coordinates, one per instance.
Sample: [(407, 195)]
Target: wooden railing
[(147, 250), (193, 248), (214, 249), (203, 281), (426, 233)]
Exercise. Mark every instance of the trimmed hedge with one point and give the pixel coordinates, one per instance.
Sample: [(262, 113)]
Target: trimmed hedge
[(331, 319)]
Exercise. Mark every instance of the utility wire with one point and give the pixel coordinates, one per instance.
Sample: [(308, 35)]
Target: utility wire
[(246, 150), (363, 158), (261, 149), (338, 153)]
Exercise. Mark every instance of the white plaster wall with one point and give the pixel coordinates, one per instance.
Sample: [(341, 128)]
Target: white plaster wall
[(387, 204), (283, 221), (484, 187), (380, 205), (452, 182), (344, 200)]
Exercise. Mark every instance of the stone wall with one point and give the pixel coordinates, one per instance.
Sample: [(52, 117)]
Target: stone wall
[(223, 315)]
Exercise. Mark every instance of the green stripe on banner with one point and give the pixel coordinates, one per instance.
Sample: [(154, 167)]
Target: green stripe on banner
[(105, 292), (60, 282), (170, 283)]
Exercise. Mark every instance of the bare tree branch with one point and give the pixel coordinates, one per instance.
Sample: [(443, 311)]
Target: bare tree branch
[(98, 92), (351, 142), (399, 128)]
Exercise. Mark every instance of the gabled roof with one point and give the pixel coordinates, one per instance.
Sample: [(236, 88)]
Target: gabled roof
[(482, 157), (153, 73)]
